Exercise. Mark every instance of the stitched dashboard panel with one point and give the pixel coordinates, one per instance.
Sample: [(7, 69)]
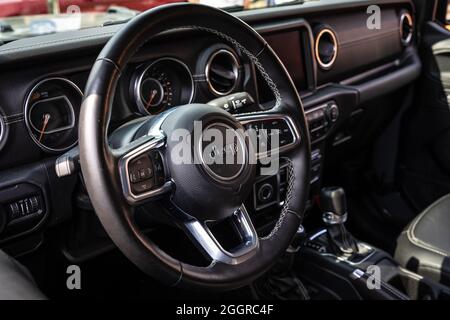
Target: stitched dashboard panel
[(359, 47)]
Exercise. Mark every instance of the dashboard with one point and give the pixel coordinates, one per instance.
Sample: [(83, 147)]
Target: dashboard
[(337, 64)]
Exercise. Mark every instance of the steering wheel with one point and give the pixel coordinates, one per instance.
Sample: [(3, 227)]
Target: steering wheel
[(199, 192)]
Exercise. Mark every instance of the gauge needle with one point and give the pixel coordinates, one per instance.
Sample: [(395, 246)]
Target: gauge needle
[(154, 92), (46, 119)]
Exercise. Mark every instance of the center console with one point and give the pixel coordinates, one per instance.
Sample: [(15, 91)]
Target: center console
[(333, 262), (269, 191), (321, 120), (335, 265)]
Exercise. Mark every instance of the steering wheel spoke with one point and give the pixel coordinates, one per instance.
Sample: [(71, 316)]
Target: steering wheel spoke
[(245, 244), (143, 173), (271, 133)]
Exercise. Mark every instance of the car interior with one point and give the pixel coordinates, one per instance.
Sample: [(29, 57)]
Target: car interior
[(358, 92)]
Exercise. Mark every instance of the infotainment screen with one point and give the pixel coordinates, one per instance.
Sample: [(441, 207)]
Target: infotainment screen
[(287, 45)]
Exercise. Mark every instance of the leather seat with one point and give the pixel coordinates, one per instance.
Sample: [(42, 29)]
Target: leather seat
[(16, 282), (424, 246)]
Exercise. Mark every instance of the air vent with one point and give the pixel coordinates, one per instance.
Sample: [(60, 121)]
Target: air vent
[(326, 48), (222, 72), (406, 28)]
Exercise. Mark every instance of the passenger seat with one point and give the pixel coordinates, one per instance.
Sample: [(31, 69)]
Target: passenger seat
[(424, 246)]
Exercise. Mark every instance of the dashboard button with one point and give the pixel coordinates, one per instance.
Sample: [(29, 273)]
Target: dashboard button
[(333, 113)]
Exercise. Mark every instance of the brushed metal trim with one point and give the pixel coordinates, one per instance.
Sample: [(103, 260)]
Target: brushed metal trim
[(213, 248)]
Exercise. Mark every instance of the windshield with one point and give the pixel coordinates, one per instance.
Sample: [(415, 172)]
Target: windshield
[(25, 18)]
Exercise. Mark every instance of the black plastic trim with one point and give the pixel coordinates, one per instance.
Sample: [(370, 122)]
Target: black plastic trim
[(93, 39), (408, 71)]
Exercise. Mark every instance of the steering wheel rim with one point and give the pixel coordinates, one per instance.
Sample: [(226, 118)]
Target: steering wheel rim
[(100, 165)]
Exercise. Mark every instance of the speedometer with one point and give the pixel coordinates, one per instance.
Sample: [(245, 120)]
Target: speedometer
[(51, 114), (155, 91), (165, 83)]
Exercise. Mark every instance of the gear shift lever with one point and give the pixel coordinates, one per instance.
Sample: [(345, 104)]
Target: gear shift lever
[(334, 206)]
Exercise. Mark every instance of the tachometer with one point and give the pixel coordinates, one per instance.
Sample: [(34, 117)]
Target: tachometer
[(165, 83), (51, 114)]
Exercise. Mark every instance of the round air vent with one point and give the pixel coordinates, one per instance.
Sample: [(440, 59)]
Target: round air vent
[(326, 48), (222, 70), (406, 28)]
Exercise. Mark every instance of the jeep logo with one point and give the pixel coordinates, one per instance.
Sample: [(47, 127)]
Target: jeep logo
[(222, 151)]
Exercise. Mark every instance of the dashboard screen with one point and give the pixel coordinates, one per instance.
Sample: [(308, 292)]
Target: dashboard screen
[(287, 46)]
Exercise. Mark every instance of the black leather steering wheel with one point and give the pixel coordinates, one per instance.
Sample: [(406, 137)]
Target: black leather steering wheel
[(198, 192)]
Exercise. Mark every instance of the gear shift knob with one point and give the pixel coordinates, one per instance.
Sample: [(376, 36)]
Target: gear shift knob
[(334, 208), (333, 200)]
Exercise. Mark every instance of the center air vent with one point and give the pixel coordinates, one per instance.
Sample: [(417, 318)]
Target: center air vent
[(406, 28), (222, 72), (326, 48)]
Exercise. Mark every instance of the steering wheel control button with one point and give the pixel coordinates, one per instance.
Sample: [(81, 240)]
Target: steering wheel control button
[(141, 174), (145, 173), (143, 186), (134, 176), (158, 168), (281, 128), (266, 131)]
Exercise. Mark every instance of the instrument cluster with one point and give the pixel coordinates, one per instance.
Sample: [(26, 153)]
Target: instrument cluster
[(51, 114), (53, 105), (162, 84)]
